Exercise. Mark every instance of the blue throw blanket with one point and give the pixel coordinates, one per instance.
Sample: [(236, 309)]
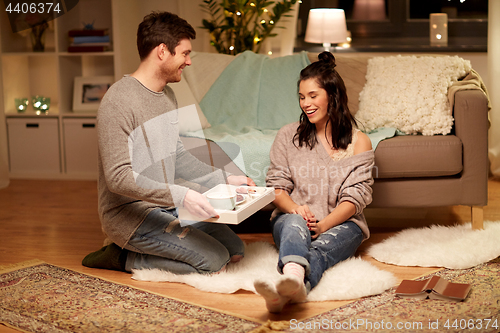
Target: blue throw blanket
[(251, 100)]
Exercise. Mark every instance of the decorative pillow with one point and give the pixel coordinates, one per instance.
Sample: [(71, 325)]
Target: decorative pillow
[(410, 93), (189, 121), (352, 69)]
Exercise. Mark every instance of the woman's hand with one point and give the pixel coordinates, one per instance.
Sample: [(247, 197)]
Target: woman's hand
[(305, 212), (240, 180), (337, 216), (316, 228)]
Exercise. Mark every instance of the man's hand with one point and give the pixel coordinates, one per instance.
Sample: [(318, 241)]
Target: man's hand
[(240, 180), (198, 205)]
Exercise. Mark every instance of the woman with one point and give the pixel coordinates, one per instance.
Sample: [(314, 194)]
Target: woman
[(321, 171)]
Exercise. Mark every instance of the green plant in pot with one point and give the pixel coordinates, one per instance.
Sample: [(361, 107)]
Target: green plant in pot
[(239, 25)]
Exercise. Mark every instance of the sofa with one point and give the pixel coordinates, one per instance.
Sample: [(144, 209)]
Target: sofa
[(410, 170)]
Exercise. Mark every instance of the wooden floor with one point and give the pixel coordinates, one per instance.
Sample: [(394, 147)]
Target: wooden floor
[(57, 222)]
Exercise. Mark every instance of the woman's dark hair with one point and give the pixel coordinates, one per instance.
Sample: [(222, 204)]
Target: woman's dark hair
[(339, 116), (162, 27)]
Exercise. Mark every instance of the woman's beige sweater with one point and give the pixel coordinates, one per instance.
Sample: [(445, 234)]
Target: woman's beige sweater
[(313, 178)]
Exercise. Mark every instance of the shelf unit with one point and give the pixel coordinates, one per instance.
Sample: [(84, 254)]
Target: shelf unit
[(73, 136), (24, 73)]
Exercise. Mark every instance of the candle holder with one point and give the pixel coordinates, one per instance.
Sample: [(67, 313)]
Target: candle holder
[(21, 104), (40, 104), (438, 27)]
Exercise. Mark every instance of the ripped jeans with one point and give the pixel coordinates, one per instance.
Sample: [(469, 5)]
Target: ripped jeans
[(293, 239), (160, 242)]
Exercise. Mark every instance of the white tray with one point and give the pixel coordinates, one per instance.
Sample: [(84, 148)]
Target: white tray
[(240, 212)]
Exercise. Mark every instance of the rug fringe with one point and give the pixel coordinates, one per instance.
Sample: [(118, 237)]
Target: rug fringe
[(14, 327), (13, 267), (272, 326)]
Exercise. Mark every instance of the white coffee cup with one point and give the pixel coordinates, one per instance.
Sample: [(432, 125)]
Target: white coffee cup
[(222, 200)]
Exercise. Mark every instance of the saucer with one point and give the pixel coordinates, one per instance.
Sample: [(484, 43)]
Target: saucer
[(241, 198)]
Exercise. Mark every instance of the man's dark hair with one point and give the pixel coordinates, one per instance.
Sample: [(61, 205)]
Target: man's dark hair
[(162, 27)]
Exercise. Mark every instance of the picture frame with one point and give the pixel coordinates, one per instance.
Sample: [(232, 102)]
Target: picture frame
[(88, 92)]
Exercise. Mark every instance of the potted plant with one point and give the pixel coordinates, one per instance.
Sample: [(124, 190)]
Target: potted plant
[(239, 25)]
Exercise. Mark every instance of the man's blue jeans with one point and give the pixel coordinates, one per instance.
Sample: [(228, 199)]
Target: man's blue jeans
[(293, 239), (160, 242)]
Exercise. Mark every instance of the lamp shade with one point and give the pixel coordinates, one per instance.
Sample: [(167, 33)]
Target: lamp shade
[(326, 25)]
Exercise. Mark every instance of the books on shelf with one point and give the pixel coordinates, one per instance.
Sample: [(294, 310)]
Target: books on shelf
[(94, 40), (433, 288), (88, 48), (89, 39), (88, 32)]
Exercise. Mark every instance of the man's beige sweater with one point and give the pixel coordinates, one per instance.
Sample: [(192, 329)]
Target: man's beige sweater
[(313, 178), (140, 157)]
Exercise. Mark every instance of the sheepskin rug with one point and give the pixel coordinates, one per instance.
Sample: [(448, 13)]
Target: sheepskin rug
[(410, 93), (350, 279), (456, 247)]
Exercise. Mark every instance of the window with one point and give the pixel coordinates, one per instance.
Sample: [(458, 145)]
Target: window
[(372, 21), (456, 9)]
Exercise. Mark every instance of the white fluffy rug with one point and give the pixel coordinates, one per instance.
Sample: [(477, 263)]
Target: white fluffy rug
[(353, 278), (456, 247)]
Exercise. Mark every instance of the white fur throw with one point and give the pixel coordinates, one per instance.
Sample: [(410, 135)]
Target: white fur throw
[(410, 93), (350, 279), (456, 247)]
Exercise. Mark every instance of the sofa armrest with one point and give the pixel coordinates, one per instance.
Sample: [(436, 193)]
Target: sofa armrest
[(471, 126)]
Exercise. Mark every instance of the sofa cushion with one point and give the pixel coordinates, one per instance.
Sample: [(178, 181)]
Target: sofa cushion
[(204, 71), (418, 156), (191, 118)]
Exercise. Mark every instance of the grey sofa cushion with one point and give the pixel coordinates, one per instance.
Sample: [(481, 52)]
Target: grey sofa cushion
[(418, 156)]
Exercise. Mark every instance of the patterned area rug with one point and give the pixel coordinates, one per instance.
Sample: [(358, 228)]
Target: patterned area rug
[(480, 312), (39, 297)]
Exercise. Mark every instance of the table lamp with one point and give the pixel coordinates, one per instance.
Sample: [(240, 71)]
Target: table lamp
[(326, 26)]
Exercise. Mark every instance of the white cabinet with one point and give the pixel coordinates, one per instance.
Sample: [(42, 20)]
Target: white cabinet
[(34, 147), (80, 146)]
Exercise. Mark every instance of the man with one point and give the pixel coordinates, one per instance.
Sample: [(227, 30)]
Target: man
[(141, 156)]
